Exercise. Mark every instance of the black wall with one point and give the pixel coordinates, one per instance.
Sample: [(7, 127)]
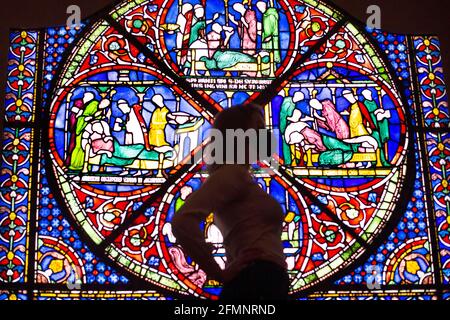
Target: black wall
[(400, 16)]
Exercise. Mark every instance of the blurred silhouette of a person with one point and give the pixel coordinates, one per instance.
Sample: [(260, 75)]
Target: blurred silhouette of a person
[(249, 219)]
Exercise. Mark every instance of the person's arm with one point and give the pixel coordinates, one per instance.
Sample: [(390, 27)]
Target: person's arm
[(222, 186), (215, 17), (366, 115), (233, 20)]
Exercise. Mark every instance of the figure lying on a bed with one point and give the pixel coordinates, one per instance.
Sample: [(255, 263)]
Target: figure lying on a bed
[(226, 59), (213, 51), (136, 156), (332, 151), (103, 149)]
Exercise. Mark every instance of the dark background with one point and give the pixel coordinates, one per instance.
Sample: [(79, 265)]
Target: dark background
[(399, 16)]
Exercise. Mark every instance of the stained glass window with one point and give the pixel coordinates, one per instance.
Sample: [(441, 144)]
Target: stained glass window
[(100, 123)]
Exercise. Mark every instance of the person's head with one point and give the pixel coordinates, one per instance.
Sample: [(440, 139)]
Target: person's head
[(199, 11), (123, 106), (239, 7), (104, 103), (298, 96), (158, 100), (216, 27), (186, 7), (88, 96), (349, 96), (315, 104), (367, 94), (240, 128), (262, 6), (97, 127)]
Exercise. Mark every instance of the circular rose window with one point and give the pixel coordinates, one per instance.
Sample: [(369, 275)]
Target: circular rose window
[(138, 92)]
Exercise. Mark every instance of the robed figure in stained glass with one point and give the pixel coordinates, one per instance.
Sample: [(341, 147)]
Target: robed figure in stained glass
[(86, 115), (183, 33), (270, 30), (158, 123), (379, 118), (358, 116), (247, 28), (287, 109)]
